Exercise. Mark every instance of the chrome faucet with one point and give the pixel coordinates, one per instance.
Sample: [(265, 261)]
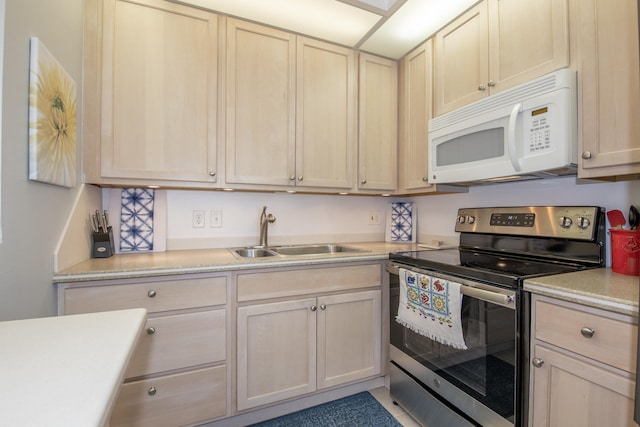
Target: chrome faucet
[(265, 219)]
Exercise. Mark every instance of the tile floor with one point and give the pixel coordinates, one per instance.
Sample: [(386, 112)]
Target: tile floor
[(382, 395)]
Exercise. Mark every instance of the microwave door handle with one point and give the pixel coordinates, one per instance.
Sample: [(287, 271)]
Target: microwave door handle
[(511, 136)]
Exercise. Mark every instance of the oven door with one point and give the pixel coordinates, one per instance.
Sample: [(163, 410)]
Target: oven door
[(479, 382)]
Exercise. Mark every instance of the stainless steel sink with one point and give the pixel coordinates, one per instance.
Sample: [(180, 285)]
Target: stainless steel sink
[(292, 250), (314, 249), (252, 252)]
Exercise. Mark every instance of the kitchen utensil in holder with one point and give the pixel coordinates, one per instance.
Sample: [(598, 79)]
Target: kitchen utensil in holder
[(103, 243)]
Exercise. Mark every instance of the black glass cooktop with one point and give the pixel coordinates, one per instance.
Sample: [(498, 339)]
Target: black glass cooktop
[(487, 267)]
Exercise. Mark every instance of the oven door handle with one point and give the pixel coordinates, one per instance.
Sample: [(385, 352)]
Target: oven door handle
[(481, 294)]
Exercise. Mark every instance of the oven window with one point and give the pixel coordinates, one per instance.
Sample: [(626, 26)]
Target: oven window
[(487, 369)]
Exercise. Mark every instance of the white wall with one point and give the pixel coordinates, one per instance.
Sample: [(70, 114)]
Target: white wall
[(33, 214), (315, 219), (300, 218)]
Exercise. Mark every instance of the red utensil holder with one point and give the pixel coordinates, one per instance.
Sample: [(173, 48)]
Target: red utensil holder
[(625, 251)]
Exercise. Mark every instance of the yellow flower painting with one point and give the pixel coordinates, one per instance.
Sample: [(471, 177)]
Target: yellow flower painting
[(52, 119)]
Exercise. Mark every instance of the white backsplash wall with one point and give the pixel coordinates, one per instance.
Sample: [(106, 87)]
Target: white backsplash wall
[(333, 219), (437, 215), (300, 218)]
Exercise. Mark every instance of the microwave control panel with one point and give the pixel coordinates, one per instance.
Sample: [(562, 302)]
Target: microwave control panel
[(539, 130)]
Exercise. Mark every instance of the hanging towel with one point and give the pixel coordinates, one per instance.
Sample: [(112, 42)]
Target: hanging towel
[(431, 306), (136, 220)]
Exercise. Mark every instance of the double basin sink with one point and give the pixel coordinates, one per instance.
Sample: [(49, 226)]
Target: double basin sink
[(293, 250)]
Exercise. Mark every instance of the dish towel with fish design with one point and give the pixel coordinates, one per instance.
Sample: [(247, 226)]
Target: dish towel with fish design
[(431, 306)]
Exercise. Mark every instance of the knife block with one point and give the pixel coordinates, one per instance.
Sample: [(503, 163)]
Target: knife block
[(103, 244)]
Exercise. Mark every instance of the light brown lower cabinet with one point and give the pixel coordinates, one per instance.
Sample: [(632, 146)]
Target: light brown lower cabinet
[(288, 348), (172, 400), (582, 366), (178, 371)]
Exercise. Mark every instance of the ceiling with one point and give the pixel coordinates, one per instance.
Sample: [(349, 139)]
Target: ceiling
[(389, 28)]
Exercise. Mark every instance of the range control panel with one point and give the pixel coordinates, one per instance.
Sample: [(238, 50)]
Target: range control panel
[(567, 222)]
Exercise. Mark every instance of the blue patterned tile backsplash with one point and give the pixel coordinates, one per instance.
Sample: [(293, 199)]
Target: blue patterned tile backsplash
[(402, 222), (136, 220)]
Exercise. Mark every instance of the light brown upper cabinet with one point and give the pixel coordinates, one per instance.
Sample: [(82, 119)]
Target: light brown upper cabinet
[(155, 68), (609, 85), (415, 111), (496, 45), (325, 115), (378, 123), (290, 109), (261, 101)]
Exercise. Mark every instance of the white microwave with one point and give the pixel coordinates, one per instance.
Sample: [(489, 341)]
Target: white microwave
[(526, 132)]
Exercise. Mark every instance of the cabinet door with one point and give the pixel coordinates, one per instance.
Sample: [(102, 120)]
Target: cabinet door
[(159, 79), (415, 112), (568, 392), (378, 124), (276, 351), (325, 114), (349, 334), (260, 104), (609, 99), (462, 60), (527, 39)]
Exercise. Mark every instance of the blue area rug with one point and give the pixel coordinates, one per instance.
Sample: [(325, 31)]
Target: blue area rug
[(361, 409)]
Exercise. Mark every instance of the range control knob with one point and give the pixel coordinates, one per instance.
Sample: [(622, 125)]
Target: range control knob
[(471, 219), (461, 219), (565, 222), (584, 222)]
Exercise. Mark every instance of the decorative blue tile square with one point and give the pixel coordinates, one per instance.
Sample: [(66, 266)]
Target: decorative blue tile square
[(136, 220), (401, 222)]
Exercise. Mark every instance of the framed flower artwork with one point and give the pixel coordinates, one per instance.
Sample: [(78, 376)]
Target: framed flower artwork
[(52, 119)]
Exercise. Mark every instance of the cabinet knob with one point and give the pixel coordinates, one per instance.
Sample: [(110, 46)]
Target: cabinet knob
[(482, 87), (212, 173), (537, 362), (300, 178), (292, 178), (151, 391), (314, 308), (323, 307), (587, 332), (425, 179), (586, 155), (151, 330), (151, 293), (364, 181), (491, 83)]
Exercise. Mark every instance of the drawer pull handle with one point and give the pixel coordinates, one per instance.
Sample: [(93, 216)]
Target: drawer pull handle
[(151, 294), (151, 391), (151, 330), (587, 332), (537, 362)]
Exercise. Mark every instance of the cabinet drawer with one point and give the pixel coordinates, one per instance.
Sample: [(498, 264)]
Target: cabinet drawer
[(172, 400), (179, 341), (274, 284), (613, 343), (154, 296)]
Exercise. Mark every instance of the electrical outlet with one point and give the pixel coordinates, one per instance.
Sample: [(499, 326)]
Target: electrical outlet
[(374, 218), (198, 219), (216, 219)]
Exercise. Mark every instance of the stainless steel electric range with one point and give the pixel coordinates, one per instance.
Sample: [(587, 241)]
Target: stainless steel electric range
[(485, 384)]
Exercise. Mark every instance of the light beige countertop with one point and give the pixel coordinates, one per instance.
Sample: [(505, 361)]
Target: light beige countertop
[(212, 260), (599, 288)]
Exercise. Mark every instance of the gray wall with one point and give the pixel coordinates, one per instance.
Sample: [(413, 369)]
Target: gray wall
[(33, 214)]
